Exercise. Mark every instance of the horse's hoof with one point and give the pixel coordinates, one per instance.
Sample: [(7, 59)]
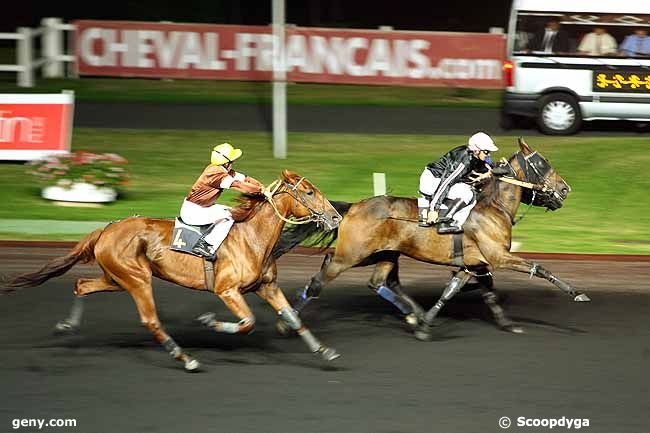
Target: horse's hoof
[(412, 319), (207, 319), (65, 327), (514, 329), (329, 354), (423, 334), (192, 365), (581, 298), (282, 328)]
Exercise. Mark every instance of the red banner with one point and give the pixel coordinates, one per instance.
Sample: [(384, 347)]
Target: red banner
[(198, 51), (34, 125)]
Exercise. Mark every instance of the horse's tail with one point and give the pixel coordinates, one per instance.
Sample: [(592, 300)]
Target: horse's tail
[(83, 252), (309, 234)]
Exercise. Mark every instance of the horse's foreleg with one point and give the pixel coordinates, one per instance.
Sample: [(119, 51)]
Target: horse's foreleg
[(238, 306), (453, 287), (509, 261), (272, 294), (490, 298)]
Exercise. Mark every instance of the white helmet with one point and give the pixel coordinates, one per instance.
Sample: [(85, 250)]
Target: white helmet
[(481, 141)]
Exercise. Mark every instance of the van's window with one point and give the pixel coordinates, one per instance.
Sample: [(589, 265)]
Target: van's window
[(582, 34)]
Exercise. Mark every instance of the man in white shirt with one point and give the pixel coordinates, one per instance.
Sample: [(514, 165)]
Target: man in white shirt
[(598, 43)]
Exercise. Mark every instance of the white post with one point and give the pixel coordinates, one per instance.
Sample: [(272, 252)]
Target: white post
[(52, 47), (25, 58), (279, 83), (379, 183)]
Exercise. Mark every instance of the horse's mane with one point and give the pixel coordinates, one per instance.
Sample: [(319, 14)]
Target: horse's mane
[(248, 206), (490, 192)]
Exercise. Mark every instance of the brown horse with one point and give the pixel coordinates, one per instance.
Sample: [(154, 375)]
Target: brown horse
[(133, 250), (377, 230)]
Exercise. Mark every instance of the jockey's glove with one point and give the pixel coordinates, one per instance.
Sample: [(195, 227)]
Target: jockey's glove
[(475, 177)]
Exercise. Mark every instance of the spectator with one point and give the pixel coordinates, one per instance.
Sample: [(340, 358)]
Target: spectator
[(637, 44), (551, 40), (598, 43)]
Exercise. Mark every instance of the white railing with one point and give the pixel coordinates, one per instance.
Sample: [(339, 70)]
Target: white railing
[(53, 54)]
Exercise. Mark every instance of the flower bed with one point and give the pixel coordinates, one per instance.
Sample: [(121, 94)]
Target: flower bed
[(80, 176)]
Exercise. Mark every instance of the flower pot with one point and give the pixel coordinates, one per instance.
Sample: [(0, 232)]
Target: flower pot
[(81, 192)]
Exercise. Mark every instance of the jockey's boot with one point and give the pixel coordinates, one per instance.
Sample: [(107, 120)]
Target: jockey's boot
[(423, 216), (446, 223), (204, 249)]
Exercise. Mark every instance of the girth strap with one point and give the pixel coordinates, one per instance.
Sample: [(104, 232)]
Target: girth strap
[(208, 268), (457, 259)]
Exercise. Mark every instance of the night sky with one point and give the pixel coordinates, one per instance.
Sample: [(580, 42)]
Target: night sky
[(475, 16)]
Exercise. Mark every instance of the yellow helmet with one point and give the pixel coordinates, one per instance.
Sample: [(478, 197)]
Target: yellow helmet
[(224, 153)]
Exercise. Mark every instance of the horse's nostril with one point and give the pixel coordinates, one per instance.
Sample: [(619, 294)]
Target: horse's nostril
[(335, 218)]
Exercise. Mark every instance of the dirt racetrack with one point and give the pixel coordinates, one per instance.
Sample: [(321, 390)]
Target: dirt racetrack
[(577, 360)]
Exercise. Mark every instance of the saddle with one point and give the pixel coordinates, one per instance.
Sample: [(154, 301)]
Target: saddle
[(185, 236)]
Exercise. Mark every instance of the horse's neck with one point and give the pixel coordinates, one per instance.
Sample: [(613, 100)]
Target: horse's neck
[(265, 225), (508, 196)]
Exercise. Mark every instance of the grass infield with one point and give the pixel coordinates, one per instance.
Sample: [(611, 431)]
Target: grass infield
[(608, 210)]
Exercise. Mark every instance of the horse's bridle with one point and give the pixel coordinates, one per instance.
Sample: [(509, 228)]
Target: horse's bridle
[(315, 215), (536, 171)]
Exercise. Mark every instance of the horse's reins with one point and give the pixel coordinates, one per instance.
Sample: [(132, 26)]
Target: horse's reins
[(521, 183), (273, 188)]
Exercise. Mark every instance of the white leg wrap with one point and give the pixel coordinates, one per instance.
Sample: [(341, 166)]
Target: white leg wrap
[(290, 317), (311, 341)]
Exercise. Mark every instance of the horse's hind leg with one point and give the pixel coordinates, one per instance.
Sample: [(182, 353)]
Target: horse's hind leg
[(237, 304), (330, 269), (136, 279), (313, 289), (453, 287), (83, 287), (272, 294), (385, 283)]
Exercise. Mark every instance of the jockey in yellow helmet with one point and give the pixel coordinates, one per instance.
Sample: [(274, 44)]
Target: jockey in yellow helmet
[(200, 207)]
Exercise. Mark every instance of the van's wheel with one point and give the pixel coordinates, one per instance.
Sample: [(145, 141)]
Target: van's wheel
[(559, 114)]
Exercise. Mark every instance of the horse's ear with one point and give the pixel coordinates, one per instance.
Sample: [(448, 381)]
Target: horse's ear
[(524, 147), (289, 176)]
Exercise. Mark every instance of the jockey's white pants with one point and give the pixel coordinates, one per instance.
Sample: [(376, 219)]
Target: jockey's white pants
[(194, 214), (429, 187)]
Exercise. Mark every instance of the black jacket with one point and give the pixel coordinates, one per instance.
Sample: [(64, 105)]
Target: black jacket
[(453, 167), (560, 42)]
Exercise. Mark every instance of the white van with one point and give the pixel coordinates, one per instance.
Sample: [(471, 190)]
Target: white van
[(570, 61)]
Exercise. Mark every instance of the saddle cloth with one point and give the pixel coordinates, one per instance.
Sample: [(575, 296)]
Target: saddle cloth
[(185, 236)]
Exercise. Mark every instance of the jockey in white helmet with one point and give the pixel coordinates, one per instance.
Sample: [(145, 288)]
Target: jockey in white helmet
[(444, 194)]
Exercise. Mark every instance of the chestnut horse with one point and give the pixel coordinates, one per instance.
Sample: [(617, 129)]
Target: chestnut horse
[(377, 230), (133, 250)]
